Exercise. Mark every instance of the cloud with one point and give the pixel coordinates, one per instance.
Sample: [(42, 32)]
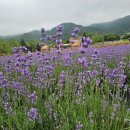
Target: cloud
[(19, 16)]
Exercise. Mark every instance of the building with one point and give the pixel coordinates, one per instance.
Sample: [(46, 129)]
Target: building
[(75, 42), (44, 47)]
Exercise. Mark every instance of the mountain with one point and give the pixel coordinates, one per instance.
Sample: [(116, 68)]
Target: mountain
[(68, 29), (26, 36), (120, 26)]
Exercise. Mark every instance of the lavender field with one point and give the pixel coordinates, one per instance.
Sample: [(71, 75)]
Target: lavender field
[(85, 89), (66, 90)]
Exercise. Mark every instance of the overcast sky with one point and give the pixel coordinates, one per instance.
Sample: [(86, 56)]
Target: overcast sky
[(18, 16)]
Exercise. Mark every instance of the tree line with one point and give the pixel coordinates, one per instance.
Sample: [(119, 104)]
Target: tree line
[(33, 45)]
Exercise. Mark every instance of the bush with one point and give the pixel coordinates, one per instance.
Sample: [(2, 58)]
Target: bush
[(111, 37), (97, 38)]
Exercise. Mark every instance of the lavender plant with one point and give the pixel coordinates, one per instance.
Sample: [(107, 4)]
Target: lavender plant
[(66, 90)]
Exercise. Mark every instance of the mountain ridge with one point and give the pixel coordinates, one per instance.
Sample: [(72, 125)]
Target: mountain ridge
[(120, 26)]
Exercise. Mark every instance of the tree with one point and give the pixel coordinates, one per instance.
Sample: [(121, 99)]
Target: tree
[(32, 45), (22, 42), (88, 34), (67, 41), (38, 47), (84, 34), (126, 36), (111, 37), (13, 43), (97, 38)]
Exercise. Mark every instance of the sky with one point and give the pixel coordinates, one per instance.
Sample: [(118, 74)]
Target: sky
[(19, 16)]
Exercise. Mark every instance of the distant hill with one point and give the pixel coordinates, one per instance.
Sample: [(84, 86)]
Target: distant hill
[(68, 29), (26, 36), (120, 26)]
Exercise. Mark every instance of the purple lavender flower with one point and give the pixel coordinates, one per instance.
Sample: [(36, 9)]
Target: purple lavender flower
[(62, 78), (82, 50), (26, 72), (1, 74), (54, 37), (66, 59), (58, 51), (90, 114), (96, 51), (85, 44), (8, 108), (58, 34), (24, 49), (59, 28), (58, 41), (86, 41), (79, 92), (82, 60), (114, 72), (75, 32), (42, 31), (49, 37), (72, 41), (4, 83), (16, 85), (94, 73), (50, 109), (43, 35), (79, 126), (33, 97), (33, 114), (15, 50)]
